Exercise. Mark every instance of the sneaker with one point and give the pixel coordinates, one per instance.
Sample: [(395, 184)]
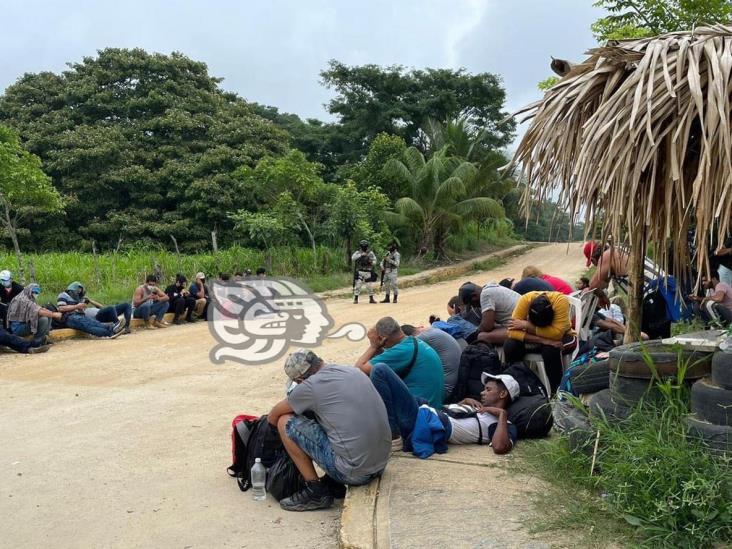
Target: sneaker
[(313, 496), (151, 325), (178, 321), (39, 349), (161, 324), (118, 327), (397, 444), (336, 489)]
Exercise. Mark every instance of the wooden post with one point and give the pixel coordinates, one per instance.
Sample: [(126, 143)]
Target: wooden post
[(177, 252), (96, 264), (213, 242), (32, 271), (636, 265)]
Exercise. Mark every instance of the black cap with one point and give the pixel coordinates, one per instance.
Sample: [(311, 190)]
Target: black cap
[(465, 294), (541, 312)]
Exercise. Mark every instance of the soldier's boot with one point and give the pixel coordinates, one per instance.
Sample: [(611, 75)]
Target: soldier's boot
[(371, 299), (386, 299), (395, 298), (355, 299)]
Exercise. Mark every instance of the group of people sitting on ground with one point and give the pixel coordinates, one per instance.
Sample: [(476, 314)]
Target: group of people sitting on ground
[(25, 324)]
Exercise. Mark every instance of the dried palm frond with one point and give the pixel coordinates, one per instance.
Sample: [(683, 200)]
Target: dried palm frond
[(640, 131)]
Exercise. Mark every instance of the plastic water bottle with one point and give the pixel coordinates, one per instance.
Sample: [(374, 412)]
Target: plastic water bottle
[(258, 476)]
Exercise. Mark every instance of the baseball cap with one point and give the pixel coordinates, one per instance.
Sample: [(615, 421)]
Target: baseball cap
[(541, 312), (5, 275), (200, 275), (299, 362), (465, 294), (508, 381), (588, 249)]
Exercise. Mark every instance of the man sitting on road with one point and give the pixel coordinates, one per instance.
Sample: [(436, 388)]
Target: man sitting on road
[(26, 317), (496, 307), (8, 290), (410, 358), (199, 292), (349, 438), (489, 426), (717, 304), (97, 311), (180, 300), (150, 303), (73, 306), (541, 318), (446, 347)]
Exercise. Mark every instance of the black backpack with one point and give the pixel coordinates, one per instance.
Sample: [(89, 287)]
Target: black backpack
[(529, 382), (655, 316), (531, 413), (475, 359), (252, 438)]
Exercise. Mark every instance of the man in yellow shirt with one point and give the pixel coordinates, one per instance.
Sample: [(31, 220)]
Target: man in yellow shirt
[(543, 320)]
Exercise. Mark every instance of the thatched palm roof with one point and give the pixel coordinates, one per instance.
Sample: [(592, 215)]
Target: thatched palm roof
[(639, 132)]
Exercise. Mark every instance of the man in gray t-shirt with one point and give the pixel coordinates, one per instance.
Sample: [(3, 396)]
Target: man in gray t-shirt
[(496, 307), (350, 437), (447, 348)]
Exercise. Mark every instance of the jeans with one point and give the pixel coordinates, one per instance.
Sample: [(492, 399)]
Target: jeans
[(401, 405), (23, 329), (725, 275), (514, 351), (312, 439), (151, 308), (181, 304), (112, 312), (16, 343), (88, 325)]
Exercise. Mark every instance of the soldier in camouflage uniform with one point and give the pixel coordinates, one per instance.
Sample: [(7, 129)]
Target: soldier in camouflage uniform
[(390, 266), (364, 261)]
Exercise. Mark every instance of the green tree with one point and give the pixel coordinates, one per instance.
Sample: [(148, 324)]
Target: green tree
[(439, 201), (370, 172), (264, 228), (371, 99), (143, 144), (24, 189), (640, 18)]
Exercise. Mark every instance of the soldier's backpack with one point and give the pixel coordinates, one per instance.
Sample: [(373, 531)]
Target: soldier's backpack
[(251, 438)]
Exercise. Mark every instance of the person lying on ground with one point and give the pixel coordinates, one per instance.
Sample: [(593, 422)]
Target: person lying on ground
[(180, 299), (446, 347), (73, 306), (557, 284), (150, 303), (455, 325), (582, 284), (496, 305), (199, 292), (8, 290), (410, 358), (716, 306), (96, 311), (541, 319), (26, 317), (492, 425), (349, 438), (19, 344)]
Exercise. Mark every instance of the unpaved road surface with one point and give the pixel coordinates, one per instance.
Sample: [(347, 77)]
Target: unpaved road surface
[(124, 443)]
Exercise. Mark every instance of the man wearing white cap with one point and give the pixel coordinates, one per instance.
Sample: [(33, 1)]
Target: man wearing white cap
[(349, 438), (488, 425), (199, 292), (8, 290)]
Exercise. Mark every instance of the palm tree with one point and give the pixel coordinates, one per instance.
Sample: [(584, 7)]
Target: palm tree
[(440, 201)]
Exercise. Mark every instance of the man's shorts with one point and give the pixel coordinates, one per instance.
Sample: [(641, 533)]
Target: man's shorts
[(312, 439)]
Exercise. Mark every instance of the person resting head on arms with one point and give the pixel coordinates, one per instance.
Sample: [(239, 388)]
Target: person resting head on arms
[(556, 283), (349, 437), (410, 358), (496, 304), (492, 427)]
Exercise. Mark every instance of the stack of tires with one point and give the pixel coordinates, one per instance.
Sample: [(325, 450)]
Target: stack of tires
[(632, 379), (711, 406)]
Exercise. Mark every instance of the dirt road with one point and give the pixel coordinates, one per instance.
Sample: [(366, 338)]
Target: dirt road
[(124, 443)]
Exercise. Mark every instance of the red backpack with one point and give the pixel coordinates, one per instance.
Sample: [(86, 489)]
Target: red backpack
[(251, 437)]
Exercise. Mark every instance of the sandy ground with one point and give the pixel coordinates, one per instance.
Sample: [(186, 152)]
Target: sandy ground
[(124, 443)]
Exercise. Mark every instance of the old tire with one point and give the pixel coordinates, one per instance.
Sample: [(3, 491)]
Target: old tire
[(722, 369), (590, 378), (711, 402), (717, 437), (602, 404), (574, 424), (628, 361), (629, 390)]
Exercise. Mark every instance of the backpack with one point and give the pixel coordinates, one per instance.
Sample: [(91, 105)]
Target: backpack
[(475, 359), (251, 438), (531, 413), (529, 382), (655, 316)]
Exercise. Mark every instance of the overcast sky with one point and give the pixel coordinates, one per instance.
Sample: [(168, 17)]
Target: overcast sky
[(271, 51)]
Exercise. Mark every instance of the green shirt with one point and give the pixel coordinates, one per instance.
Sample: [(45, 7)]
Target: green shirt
[(427, 377)]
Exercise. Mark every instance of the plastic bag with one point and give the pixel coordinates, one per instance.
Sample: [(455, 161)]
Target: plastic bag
[(283, 478)]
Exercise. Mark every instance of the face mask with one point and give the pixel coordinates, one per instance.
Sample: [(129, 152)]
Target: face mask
[(151, 287), (7, 283)]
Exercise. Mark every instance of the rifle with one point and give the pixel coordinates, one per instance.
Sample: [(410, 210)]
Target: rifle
[(381, 285)]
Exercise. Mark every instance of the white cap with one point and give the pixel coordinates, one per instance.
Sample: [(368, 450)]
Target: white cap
[(200, 275), (508, 381), (5, 275)]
